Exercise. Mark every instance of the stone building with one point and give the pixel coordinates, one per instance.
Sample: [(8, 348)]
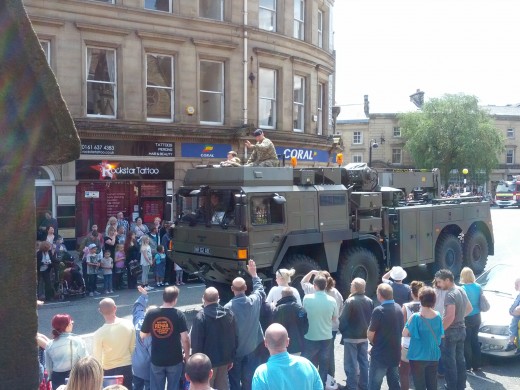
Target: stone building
[(158, 86)]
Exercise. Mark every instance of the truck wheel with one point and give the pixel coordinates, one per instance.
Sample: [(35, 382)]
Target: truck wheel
[(476, 251), (357, 263), (302, 264), (448, 255)]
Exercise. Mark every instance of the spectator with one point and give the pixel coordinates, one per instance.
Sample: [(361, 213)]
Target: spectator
[(409, 308), (93, 261), (146, 261), (425, 331), (199, 372), (322, 310), (283, 371), (456, 307), (139, 228), (131, 253), (353, 325), (50, 237), (119, 266), (143, 348), (47, 221), (165, 226), (178, 274), (246, 310), (167, 242), (214, 333), (289, 313), (112, 222), (384, 333), (394, 278), (110, 241), (86, 374), (114, 342), (64, 350), (514, 310), (472, 320), (94, 237), (283, 278), (169, 333), (155, 239), (107, 263), (121, 221), (121, 235), (160, 265), (45, 261)]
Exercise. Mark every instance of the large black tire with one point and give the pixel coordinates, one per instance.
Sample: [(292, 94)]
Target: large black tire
[(476, 251), (357, 263), (302, 264), (448, 255)]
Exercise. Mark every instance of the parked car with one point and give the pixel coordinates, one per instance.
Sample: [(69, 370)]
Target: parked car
[(498, 284)]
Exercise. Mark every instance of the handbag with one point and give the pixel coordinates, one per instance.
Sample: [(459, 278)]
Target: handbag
[(135, 268), (484, 303)]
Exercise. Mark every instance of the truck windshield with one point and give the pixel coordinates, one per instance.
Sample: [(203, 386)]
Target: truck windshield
[(505, 187), (215, 207)]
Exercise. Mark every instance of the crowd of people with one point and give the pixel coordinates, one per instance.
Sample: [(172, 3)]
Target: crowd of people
[(279, 341)]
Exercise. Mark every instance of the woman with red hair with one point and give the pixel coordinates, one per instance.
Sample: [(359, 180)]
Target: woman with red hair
[(64, 350)]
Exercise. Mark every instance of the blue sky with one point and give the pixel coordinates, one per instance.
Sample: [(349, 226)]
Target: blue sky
[(388, 49)]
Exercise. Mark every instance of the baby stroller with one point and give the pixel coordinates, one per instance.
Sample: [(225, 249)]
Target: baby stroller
[(72, 284)]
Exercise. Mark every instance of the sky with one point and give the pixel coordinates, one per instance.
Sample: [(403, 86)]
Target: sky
[(387, 49)]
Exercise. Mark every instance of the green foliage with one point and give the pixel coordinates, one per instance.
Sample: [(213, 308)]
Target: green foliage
[(452, 132)]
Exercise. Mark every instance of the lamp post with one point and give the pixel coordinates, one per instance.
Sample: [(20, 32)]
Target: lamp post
[(373, 145), (465, 173)]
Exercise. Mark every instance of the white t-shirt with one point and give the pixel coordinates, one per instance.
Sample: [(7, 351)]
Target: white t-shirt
[(275, 294)]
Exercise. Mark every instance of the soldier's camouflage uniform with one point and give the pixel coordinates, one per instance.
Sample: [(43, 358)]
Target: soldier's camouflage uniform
[(263, 154)]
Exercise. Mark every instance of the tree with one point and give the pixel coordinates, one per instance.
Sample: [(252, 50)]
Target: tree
[(452, 132)]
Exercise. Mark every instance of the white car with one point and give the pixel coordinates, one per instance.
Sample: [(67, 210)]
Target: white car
[(498, 284)]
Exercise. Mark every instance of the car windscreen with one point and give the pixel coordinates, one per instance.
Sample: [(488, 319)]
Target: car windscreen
[(504, 187), (215, 207), (500, 278)]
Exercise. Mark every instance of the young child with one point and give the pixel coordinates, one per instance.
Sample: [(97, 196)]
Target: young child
[(178, 274), (93, 260), (513, 327), (160, 266), (120, 266), (107, 263)]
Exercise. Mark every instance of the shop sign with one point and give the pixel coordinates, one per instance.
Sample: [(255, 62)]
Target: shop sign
[(124, 170), (303, 154), (127, 148), (205, 150)]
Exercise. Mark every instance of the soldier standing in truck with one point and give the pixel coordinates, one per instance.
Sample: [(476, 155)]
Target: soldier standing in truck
[(264, 153)]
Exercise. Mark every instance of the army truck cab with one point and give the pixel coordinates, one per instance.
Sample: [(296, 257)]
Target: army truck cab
[(336, 219)]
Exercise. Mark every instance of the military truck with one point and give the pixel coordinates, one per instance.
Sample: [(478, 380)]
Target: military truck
[(335, 218)]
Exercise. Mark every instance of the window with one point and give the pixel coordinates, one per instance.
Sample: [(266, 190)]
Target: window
[(332, 200), (299, 19), (510, 133), (211, 99), (396, 156), (158, 5), (106, 1), (267, 98), (320, 29), (101, 82), (211, 9), (267, 15), (357, 158), (265, 211), (321, 91), (357, 138), (397, 131), (510, 156), (46, 46), (299, 103), (159, 87)]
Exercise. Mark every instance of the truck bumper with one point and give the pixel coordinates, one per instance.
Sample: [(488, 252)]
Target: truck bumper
[(210, 269), (506, 203)]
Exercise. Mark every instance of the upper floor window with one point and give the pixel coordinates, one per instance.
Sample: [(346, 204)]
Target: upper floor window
[(298, 103), (267, 98), (211, 9), (510, 133), (299, 19), (357, 138), (101, 82), (397, 131), (321, 98), (397, 156), (510, 156), (159, 87), (46, 46), (158, 5), (357, 158), (320, 28), (267, 15), (211, 98)]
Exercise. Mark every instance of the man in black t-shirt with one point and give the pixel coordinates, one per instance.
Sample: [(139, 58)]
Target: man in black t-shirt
[(384, 333), (169, 331)]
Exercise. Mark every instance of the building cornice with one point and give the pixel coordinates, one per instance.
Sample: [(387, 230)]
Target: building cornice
[(49, 22), (155, 36), (228, 45), (97, 28)]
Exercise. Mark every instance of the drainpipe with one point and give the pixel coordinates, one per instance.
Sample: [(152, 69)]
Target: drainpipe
[(244, 61)]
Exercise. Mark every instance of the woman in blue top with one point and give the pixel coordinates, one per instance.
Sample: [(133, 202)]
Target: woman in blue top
[(472, 320), (425, 331)]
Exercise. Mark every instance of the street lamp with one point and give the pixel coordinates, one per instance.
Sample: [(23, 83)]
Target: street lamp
[(373, 145)]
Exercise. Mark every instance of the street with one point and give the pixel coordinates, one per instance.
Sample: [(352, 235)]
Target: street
[(497, 373)]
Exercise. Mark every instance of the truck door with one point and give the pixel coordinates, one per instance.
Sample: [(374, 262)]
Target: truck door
[(425, 236), (408, 224)]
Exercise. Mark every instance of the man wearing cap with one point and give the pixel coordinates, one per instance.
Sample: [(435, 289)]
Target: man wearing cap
[(232, 160), (402, 291), (264, 153)]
